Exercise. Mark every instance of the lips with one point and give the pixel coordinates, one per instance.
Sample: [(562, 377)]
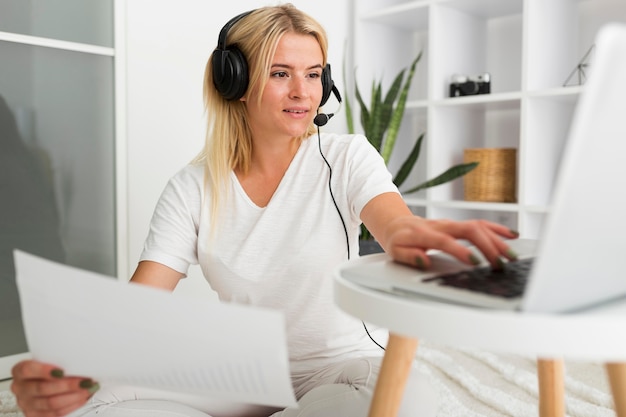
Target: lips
[(297, 114)]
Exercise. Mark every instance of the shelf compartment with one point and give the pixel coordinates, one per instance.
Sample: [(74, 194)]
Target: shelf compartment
[(470, 125), (561, 33), (410, 16), (470, 43), (386, 62)]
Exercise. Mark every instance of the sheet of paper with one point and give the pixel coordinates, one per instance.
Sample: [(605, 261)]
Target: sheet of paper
[(129, 334)]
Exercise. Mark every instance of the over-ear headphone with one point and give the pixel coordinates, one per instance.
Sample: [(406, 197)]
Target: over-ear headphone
[(230, 68)]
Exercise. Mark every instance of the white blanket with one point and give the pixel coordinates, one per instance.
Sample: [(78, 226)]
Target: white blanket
[(475, 383), (8, 408)]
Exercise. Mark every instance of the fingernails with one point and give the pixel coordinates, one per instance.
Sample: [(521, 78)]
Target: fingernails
[(511, 254), (499, 263), (57, 373), (89, 385), (86, 383), (474, 259), (419, 262)]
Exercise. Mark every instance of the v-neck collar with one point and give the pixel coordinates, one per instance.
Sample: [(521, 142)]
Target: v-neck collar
[(288, 172)]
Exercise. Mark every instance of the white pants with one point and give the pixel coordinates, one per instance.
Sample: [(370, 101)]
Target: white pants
[(341, 389)]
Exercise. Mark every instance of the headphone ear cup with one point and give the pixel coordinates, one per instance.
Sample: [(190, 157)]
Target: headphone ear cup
[(230, 73), (327, 84)]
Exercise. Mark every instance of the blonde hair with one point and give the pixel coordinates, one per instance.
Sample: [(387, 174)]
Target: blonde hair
[(228, 143)]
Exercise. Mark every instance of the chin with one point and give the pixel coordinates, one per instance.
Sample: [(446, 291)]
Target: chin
[(296, 133)]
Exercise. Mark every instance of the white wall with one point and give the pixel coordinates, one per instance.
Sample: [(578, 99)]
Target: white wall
[(168, 43)]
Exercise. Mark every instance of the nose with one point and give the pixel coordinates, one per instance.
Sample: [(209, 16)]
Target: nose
[(299, 88)]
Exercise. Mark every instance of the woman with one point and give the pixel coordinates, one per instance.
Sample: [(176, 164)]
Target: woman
[(257, 211)]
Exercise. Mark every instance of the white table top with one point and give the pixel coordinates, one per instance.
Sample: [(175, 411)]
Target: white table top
[(597, 334)]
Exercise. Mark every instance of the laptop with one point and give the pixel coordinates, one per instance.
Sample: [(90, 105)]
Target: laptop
[(577, 262)]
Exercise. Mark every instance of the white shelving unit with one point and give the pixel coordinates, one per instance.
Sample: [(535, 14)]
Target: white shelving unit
[(529, 47)]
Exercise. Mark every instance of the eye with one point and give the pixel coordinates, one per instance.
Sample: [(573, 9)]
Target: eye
[(279, 74), (314, 75)]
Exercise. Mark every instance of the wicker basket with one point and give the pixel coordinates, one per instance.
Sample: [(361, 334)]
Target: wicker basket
[(494, 178)]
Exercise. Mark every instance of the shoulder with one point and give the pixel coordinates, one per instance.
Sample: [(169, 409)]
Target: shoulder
[(187, 183), (190, 175), (194, 171), (182, 196)]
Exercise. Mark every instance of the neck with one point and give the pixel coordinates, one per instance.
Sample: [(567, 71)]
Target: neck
[(267, 168), (271, 157)]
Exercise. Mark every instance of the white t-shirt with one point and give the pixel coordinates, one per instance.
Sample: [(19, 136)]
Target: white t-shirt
[(281, 256)]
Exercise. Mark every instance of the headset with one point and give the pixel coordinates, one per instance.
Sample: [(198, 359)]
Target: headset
[(230, 72)]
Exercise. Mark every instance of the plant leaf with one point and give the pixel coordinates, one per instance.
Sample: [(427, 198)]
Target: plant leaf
[(408, 164), (349, 119), (375, 131), (449, 175), (387, 106), (364, 110), (398, 112), (349, 115), (365, 234)]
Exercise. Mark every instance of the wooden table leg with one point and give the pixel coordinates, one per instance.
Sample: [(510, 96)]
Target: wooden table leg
[(551, 388), (394, 372), (617, 378)]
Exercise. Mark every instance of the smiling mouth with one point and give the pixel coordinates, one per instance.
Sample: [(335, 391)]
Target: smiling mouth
[(295, 111)]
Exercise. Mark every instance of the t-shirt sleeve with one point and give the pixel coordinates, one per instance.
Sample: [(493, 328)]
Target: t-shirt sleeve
[(369, 176), (173, 235)]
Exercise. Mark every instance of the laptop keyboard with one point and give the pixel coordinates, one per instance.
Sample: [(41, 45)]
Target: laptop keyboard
[(508, 282)]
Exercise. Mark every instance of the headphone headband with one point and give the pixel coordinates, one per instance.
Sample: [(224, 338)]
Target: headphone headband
[(221, 40)]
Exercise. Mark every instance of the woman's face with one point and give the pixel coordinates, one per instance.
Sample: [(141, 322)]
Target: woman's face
[(292, 93)]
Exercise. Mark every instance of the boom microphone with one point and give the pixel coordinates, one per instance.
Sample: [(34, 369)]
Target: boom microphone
[(322, 118)]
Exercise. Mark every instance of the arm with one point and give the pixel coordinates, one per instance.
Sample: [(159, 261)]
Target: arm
[(157, 275), (407, 238)]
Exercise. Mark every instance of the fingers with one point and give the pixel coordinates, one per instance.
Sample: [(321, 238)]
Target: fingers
[(411, 255), (409, 240), (34, 369), (42, 390), (54, 405), (409, 244), (486, 236)]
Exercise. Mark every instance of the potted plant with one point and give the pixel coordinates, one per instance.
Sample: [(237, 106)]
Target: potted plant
[(381, 123)]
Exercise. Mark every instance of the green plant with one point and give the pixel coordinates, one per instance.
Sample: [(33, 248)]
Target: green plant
[(381, 123)]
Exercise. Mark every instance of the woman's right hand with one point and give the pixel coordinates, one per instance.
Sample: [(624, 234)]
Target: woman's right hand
[(42, 390)]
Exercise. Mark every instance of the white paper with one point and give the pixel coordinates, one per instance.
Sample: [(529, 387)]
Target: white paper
[(129, 334)]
